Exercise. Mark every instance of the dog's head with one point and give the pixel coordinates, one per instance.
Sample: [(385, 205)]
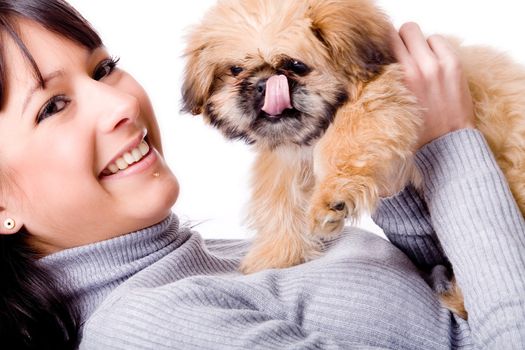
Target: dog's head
[(274, 72)]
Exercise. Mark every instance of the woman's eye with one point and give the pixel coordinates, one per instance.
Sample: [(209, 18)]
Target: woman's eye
[(105, 68), (55, 105)]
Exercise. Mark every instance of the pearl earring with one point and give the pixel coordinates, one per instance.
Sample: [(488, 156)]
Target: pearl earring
[(9, 223)]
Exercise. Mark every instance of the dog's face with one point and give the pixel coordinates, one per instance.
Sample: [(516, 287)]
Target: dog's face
[(274, 72)]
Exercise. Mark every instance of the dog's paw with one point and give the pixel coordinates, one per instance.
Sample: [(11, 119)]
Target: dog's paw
[(334, 201), (278, 256), (327, 215)]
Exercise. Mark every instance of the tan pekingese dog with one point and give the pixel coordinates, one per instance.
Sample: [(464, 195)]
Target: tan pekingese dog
[(313, 86)]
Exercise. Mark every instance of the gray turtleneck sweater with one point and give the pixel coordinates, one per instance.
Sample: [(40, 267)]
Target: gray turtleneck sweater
[(164, 287)]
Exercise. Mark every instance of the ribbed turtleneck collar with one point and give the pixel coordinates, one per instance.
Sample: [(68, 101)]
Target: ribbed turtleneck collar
[(88, 273)]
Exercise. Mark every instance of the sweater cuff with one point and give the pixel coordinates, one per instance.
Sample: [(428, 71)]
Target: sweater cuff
[(453, 157), (405, 221)]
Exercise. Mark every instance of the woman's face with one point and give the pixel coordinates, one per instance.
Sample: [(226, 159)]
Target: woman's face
[(58, 142)]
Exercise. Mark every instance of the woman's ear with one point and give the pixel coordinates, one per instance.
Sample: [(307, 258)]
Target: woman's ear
[(8, 224)]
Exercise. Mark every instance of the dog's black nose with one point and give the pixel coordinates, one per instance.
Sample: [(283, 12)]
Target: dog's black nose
[(260, 87)]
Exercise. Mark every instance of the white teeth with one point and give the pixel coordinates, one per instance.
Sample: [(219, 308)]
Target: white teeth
[(113, 168), (143, 147), (121, 163), (128, 158), (136, 154)]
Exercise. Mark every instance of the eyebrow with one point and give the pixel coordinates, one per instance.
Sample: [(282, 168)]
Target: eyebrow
[(41, 86)]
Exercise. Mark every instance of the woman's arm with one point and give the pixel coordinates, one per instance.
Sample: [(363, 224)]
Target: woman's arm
[(433, 74), (482, 232), (405, 220), (469, 203)]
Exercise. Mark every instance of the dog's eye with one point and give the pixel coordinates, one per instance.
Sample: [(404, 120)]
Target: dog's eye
[(236, 70), (297, 67)]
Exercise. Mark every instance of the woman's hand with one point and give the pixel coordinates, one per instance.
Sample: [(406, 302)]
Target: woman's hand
[(435, 76)]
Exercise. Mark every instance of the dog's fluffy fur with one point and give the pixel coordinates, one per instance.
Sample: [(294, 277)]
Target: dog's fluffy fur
[(351, 134)]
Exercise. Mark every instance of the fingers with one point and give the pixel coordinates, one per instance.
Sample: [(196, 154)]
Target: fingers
[(415, 42), (434, 75), (420, 55), (442, 49), (400, 50)]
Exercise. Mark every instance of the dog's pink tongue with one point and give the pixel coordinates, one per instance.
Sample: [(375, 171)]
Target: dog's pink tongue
[(277, 97)]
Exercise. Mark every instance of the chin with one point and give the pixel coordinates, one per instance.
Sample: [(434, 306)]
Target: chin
[(155, 202), (313, 87)]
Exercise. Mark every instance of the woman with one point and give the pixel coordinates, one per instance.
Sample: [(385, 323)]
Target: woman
[(89, 246)]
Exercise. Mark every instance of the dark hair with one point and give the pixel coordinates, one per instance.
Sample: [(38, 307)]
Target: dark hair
[(34, 314)]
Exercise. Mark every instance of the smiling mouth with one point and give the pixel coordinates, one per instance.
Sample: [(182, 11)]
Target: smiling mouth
[(127, 159)]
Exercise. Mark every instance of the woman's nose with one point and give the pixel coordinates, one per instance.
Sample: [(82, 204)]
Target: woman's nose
[(115, 107)]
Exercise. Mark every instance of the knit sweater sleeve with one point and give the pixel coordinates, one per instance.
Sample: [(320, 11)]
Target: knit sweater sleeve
[(405, 220), (482, 233)]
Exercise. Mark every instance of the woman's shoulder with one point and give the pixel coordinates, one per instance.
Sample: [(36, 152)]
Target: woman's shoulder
[(352, 241), (227, 247), (357, 244)]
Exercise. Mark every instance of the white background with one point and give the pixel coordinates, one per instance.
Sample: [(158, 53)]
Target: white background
[(213, 172)]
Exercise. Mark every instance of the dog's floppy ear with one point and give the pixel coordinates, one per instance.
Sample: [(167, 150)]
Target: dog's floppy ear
[(198, 77), (356, 33)]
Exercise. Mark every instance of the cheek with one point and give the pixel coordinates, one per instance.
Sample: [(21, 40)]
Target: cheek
[(64, 202), (147, 112), (151, 123), (54, 170)]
